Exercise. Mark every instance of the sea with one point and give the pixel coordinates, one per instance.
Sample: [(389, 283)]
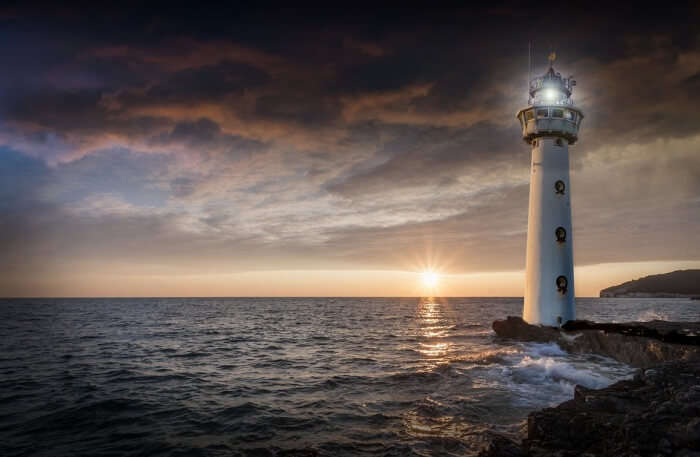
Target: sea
[(284, 376)]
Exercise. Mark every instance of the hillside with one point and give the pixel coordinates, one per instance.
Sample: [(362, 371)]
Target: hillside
[(681, 283)]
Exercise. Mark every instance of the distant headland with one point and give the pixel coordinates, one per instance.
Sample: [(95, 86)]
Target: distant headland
[(680, 283)]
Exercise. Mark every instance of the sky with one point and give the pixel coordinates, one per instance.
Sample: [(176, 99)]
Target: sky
[(320, 152)]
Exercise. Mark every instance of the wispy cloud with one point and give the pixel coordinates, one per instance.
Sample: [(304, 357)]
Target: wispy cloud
[(332, 146)]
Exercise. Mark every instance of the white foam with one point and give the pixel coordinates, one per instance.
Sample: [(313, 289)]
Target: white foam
[(569, 338), (542, 374), (544, 349), (548, 368), (651, 315)]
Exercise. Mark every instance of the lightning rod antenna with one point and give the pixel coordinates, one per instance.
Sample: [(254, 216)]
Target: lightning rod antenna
[(529, 64)]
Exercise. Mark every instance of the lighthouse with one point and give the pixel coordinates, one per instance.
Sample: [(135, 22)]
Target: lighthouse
[(550, 123)]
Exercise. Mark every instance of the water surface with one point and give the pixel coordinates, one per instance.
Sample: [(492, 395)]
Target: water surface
[(257, 377)]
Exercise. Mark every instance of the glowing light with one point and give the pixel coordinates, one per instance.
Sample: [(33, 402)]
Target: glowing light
[(430, 279), (551, 94)]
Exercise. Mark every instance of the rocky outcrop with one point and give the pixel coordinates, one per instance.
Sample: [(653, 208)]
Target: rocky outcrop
[(655, 414), (639, 344), (668, 332), (497, 445)]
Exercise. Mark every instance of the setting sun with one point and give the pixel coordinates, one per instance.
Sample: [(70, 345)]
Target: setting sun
[(430, 278)]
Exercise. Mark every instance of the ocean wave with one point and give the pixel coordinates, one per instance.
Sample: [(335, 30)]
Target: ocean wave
[(544, 349), (537, 370), (466, 326), (240, 411), (343, 380), (280, 364), (191, 354), (98, 415), (358, 360), (651, 315), (487, 357), (277, 378)]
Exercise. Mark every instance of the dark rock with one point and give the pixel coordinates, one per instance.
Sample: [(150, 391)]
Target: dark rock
[(644, 417), (516, 328), (639, 344), (665, 446), (667, 332), (580, 393), (687, 453), (655, 414), (497, 445)]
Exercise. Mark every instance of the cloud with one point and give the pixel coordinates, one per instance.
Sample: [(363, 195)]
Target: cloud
[(419, 156), (266, 144), (205, 136), (207, 83), (177, 55)]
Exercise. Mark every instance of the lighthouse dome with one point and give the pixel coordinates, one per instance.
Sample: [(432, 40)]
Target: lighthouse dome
[(550, 111), (551, 88)]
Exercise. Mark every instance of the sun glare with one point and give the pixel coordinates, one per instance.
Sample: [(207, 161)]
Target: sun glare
[(430, 279)]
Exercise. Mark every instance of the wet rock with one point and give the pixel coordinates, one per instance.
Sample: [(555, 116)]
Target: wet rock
[(687, 453), (516, 328), (639, 344), (665, 446), (497, 445), (644, 416), (657, 413), (665, 331)]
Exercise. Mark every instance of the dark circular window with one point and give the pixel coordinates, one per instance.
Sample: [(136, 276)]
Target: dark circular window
[(560, 187), (562, 284), (560, 233), (559, 142)]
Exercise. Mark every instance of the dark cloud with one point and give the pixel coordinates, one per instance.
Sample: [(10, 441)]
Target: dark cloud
[(202, 131), (205, 136), (56, 109), (207, 83), (306, 110), (295, 138), (386, 73)]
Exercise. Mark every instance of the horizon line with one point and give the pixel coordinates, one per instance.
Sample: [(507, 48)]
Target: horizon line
[(280, 296)]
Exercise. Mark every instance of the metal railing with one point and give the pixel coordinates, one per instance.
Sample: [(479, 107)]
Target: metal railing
[(536, 101)]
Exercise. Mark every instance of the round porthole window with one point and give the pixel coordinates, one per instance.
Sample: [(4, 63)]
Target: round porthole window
[(562, 284), (560, 233), (559, 142), (560, 187)]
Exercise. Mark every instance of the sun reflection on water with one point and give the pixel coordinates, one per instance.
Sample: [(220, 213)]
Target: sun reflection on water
[(434, 325)]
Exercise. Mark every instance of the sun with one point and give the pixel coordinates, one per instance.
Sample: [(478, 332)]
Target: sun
[(430, 278)]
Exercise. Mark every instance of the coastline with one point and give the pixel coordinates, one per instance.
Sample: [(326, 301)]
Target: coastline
[(655, 413), (647, 295)]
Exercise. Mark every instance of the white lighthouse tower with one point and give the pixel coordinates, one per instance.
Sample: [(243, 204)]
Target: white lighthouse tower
[(550, 124)]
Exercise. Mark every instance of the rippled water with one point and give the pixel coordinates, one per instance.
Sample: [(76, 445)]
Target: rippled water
[(260, 377)]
